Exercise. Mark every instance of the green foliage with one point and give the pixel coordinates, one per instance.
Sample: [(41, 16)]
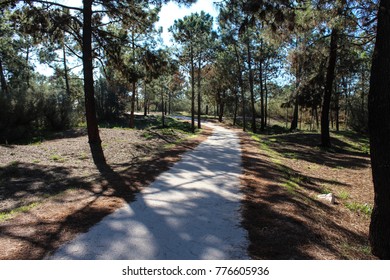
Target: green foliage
[(344, 195), (56, 157), (365, 208), (9, 214)]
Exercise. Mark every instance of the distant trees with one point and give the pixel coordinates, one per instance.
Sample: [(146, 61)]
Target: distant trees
[(92, 29), (195, 34)]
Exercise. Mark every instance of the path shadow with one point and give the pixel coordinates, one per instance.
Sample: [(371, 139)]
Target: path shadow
[(287, 222), (105, 194), (181, 215), (304, 146)]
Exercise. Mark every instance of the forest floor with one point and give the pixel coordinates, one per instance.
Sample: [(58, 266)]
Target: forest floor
[(50, 189), (283, 175)]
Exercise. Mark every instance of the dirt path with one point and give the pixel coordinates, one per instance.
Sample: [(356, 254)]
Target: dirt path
[(191, 211)]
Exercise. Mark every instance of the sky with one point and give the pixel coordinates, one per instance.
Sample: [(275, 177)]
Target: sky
[(172, 11), (169, 12)]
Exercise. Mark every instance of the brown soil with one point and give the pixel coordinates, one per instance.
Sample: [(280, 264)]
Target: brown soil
[(283, 174), (52, 191)]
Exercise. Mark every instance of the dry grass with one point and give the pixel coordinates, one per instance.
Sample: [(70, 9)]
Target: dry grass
[(283, 174)]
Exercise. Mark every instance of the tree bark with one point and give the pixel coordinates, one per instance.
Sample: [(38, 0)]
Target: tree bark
[(337, 111), (262, 113), (131, 123), (222, 107), (294, 122), (4, 86), (132, 106), (89, 91), (330, 74), (66, 75), (266, 102), (199, 97), (379, 126), (241, 84), (145, 100), (251, 87), (235, 107), (162, 109), (169, 103), (192, 90)]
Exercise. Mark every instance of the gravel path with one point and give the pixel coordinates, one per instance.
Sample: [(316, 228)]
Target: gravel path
[(190, 212)]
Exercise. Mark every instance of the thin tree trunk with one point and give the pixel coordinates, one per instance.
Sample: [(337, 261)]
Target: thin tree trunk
[(169, 102), (325, 137), (199, 97), (363, 107), (379, 125), (300, 119), (251, 87), (222, 107), (337, 110), (28, 70), (66, 76), (235, 107), (4, 86), (89, 91), (294, 122), (241, 84), (266, 101), (262, 114), (132, 105), (145, 101), (192, 90), (162, 109)]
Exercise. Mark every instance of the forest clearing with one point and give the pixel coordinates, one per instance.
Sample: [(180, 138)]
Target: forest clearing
[(276, 114), (60, 193)]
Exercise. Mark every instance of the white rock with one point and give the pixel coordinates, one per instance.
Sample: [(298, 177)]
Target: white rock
[(327, 197)]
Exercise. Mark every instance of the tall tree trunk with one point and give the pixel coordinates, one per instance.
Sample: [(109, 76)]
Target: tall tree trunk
[(132, 105), (28, 69), (266, 101), (192, 90), (145, 100), (337, 110), (317, 117), (251, 87), (162, 109), (89, 91), (235, 107), (379, 125), (199, 98), (222, 107), (363, 107), (169, 103), (241, 84), (4, 86), (66, 75), (294, 122), (330, 74), (262, 114)]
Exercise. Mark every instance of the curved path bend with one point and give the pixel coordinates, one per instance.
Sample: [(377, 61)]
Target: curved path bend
[(190, 212)]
